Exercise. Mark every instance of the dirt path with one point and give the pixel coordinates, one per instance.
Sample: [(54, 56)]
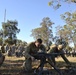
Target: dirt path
[(12, 66)]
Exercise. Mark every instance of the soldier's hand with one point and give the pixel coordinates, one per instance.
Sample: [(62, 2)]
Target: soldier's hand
[(32, 58)]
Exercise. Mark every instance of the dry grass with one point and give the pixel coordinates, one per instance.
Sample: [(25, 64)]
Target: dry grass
[(12, 65), (14, 58), (71, 59)]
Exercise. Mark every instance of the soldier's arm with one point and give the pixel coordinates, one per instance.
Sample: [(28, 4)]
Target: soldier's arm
[(27, 51), (49, 51), (52, 48), (43, 48)]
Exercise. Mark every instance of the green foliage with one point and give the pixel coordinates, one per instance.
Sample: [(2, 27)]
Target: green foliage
[(57, 3), (9, 41), (18, 42), (1, 33), (24, 43), (9, 31), (45, 31), (1, 41), (68, 48), (60, 40), (68, 31)]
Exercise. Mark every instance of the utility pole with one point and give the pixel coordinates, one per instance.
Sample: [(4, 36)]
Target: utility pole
[(4, 23)]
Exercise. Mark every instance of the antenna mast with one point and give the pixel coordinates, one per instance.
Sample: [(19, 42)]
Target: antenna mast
[(4, 23)]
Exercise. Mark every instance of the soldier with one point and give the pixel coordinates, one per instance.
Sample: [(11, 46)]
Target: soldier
[(6, 48), (2, 57), (3, 48), (32, 48), (19, 51), (9, 52), (13, 48), (57, 49), (52, 49)]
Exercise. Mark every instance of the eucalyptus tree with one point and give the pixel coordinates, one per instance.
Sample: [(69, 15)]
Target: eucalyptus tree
[(44, 31)]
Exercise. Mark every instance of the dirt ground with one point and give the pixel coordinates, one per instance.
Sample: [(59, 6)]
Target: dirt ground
[(12, 66)]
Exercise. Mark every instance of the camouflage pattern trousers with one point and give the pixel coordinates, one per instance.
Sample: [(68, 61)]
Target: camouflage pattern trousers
[(27, 65)]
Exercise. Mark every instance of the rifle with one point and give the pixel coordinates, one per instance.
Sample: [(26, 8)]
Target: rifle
[(42, 57)]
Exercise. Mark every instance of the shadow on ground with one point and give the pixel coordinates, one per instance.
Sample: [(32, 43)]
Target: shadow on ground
[(14, 68)]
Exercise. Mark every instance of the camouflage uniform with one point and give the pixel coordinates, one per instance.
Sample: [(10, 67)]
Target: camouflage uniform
[(52, 49), (3, 49), (31, 49), (57, 49), (2, 57)]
